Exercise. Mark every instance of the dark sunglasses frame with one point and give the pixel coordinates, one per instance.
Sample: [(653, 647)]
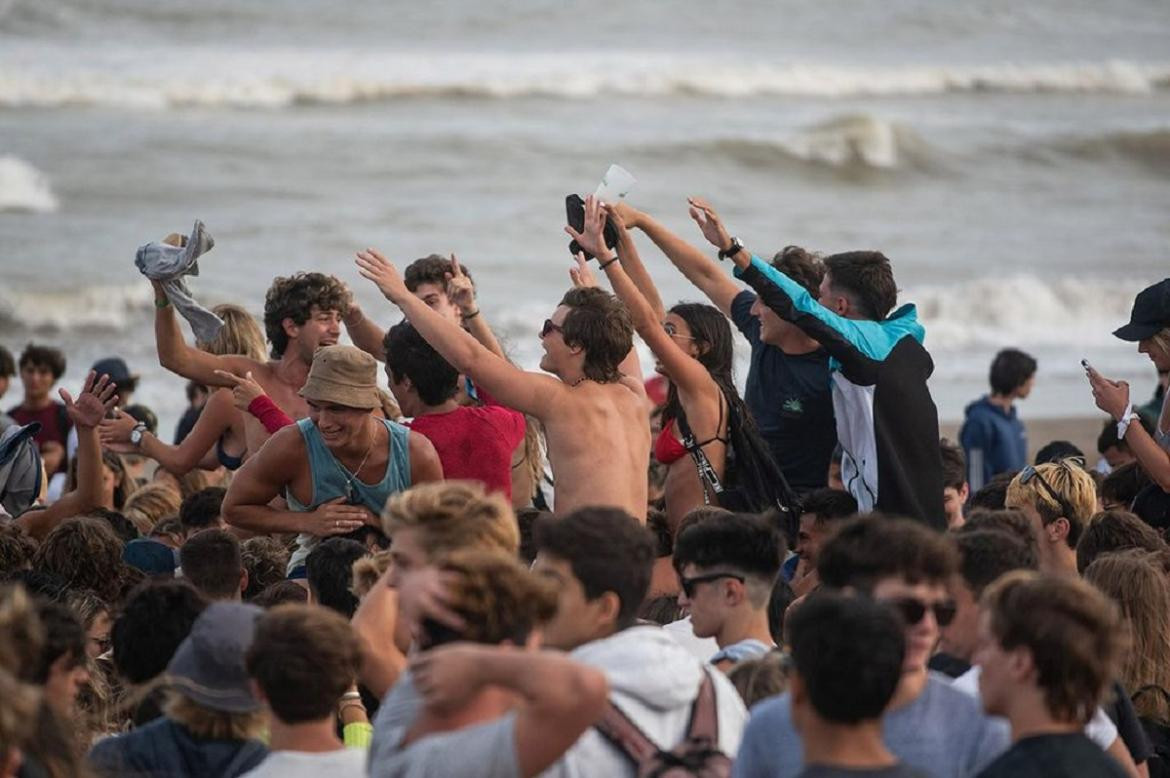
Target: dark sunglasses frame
[(688, 584), (549, 327), (913, 610)]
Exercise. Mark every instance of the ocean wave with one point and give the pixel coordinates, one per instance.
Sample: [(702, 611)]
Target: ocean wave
[(92, 309), (23, 188), (1149, 146), (850, 142), (275, 78), (1022, 309)]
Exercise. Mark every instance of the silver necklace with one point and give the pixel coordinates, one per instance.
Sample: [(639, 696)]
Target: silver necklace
[(351, 477)]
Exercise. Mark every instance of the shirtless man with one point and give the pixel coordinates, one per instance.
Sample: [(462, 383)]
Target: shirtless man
[(302, 313), (594, 416), (335, 469)]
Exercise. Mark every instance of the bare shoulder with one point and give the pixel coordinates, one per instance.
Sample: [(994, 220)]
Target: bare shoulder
[(285, 445), (635, 385)]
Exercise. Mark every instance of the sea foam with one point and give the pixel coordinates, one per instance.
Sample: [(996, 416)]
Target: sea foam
[(23, 188)]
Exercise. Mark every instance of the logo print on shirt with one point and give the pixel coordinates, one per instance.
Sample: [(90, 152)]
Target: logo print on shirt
[(793, 405)]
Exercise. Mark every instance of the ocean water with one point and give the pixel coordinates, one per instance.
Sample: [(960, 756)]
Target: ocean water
[(1012, 159)]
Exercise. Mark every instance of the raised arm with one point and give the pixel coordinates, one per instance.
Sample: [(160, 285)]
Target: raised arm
[(364, 332), (216, 418), (176, 355), (461, 292), (696, 266), (511, 386), (1113, 398), (264, 477), (562, 698), (687, 373), (94, 402)]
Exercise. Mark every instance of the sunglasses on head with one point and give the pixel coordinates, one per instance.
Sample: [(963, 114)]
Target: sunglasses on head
[(689, 584), (913, 610), (1030, 473), (550, 328)]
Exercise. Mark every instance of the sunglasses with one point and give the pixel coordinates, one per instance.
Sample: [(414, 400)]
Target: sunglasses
[(688, 584), (1030, 473), (912, 610), (550, 328)]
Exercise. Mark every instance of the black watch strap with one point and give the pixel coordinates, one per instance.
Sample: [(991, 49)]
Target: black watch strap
[(731, 251)]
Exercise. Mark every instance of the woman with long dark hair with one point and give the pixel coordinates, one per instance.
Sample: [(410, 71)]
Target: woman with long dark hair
[(708, 442)]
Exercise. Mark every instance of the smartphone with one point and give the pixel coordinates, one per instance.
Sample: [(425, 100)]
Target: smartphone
[(1085, 364), (575, 216)]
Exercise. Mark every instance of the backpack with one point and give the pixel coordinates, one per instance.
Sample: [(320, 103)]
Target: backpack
[(752, 481), (697, 756)]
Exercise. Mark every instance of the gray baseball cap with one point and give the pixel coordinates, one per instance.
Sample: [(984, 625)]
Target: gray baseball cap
[(209, 665)]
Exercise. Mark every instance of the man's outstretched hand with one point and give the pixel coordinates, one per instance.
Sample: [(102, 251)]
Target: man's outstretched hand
[(592, 239), (710, 223), (98, 397), (375, 267)]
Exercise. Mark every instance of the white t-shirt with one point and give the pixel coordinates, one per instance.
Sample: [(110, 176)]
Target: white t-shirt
[(342, 763), (1100, 729)]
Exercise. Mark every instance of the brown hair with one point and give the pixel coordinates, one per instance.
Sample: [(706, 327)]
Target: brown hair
[(498, 598), (149, 504), (303, 657), (1068, 480), (865, 550), (954, 465), (240, 334), (866, 278), (19, 704), (1135, 581), (17, 548), (451, 515), (293, 297), (22, 635), (266, 559), (600, 325), (1115, 530), (759, 678), (802, 266), (85, 553), (367, 571), (431, 269), (1072, 631)]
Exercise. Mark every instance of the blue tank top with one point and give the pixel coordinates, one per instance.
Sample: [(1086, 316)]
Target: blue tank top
[(330, 479)]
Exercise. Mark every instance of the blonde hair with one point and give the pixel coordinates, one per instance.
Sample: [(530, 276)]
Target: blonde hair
[(1070, 482), (240, 334), (1162, 340), (452, 515), (21, 633), (19, 704), (207, 724), (366, 572), (1135, 581), (149, 504)]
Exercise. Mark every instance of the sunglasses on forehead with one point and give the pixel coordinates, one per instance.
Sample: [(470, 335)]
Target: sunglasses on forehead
[(550, 328), (913, 610), (1030, 473)]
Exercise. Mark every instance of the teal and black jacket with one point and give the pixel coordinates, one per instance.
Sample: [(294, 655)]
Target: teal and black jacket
[(887, 422)]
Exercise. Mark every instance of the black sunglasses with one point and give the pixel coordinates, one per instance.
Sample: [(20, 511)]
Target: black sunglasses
[(1029, 473), (549, 328), (913, 610), (688, 584)]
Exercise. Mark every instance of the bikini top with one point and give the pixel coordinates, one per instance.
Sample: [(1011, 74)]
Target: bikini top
[(668, 449)]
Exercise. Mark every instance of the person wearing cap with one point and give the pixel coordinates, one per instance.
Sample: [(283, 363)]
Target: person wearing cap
[(335, 469), (1149, 327), (212, 719)]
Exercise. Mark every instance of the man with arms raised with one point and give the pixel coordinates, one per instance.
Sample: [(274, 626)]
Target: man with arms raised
[(594, 416), (337, 468), (302, 313)]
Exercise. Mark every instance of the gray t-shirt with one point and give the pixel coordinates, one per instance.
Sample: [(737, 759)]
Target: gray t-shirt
[(482, 751), (827, 771), (943, 733)]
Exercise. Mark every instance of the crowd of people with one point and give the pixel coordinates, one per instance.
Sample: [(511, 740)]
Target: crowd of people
[(577, 571)]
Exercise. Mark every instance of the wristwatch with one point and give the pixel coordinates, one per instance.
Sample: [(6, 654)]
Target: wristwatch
[(729, 252), (136, 434)]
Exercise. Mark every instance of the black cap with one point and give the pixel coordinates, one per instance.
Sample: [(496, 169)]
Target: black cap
[(1151, 313), (115, 368)]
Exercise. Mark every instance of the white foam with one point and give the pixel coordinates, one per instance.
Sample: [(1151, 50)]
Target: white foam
[(48, 75), (108, 308), (24, 188)]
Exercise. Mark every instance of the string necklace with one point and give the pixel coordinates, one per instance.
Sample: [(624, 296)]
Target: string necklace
[(580, 380), (351, 477)]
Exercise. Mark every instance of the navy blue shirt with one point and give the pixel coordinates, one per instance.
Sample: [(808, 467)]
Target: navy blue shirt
[(993, 442), (790, 399)]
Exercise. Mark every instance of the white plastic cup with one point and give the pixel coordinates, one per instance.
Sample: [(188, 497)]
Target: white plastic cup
[(615, 184)]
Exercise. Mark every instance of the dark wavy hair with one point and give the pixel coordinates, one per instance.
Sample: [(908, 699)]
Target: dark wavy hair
[(712, 335), (599, 323), (293, 297)]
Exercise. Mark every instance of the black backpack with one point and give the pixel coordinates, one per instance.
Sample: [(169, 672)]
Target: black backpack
[(1158, 734)]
